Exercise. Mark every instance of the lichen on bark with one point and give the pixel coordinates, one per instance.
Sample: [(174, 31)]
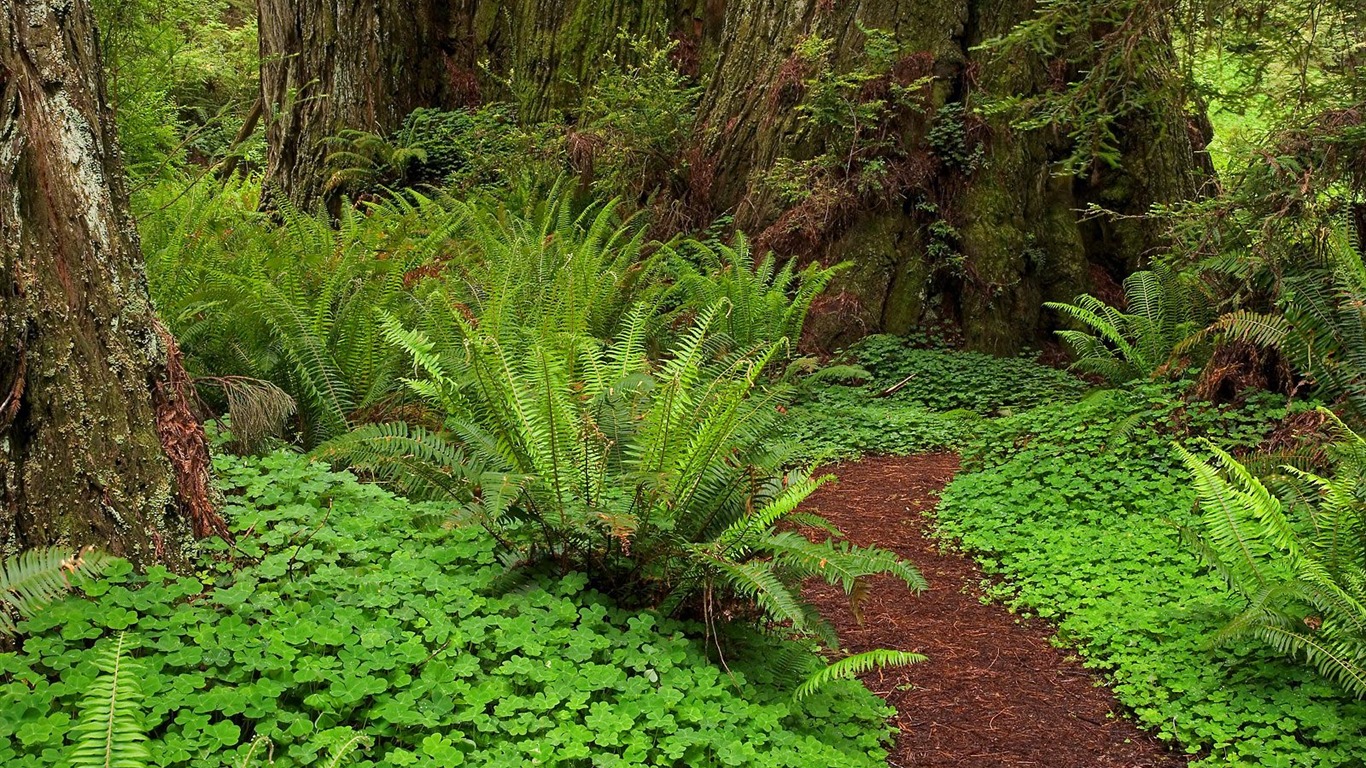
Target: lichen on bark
[(80, 358)]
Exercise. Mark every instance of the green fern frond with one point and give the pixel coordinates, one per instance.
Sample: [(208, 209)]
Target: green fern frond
[(1158, 325), (248, 759), (108, 732), (756, 580), (420, 463), (1305, 591), (855, 665), (32, 579), (339, 753)]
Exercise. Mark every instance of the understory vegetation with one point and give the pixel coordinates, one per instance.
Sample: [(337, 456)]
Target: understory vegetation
[(514, 429), (1079, 503), (344, 612)]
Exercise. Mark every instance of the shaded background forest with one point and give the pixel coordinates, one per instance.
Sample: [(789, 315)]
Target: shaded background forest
[(947, 151)]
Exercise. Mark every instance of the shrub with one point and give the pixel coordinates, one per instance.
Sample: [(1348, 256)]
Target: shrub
[(464, 150), (637, 119), (272, 316)]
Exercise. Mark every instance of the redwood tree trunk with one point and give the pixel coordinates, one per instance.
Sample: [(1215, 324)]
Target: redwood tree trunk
[(365, 64), (959, 220), (975, 231), (328, 66), (97, 443)]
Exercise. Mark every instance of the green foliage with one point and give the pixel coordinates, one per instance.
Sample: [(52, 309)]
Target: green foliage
[(653, 477), (107, 733), (348, 612), (948, 138), (1300, 564), (1321, 323), (761, 302), (632, 129), (361, 160), (944, 380), (463, 150), (853, 666), (941, 398), (856, 114), (551, 267), (1140, 343), (637, 119), (287, 318), (296, 305), (180, 76), (1073, 504), (36, 577), (838, 101)]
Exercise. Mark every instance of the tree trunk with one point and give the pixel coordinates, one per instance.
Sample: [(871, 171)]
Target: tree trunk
[(954, 220), (97, 442), (949, 218), (365, 64)]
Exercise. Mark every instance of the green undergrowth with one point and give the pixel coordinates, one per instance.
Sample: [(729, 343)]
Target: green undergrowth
[(360, 611), (1076, 507), (942, 399)]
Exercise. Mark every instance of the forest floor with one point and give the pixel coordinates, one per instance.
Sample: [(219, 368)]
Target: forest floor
[(994, 692)]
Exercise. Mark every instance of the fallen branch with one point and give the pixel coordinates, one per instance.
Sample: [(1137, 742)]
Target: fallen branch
[(895, 388)]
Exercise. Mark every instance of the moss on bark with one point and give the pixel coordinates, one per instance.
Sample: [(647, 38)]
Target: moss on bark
[(960, 222), (1014, 229), (83, 369)]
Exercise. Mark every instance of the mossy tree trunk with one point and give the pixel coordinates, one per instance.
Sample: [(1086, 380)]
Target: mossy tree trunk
[(951, 218), (365, 64), (97, 442), (349, 64)]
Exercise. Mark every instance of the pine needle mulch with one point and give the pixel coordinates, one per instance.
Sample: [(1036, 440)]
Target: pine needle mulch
[(995, 693)]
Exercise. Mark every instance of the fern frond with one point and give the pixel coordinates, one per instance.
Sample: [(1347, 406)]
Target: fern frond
[(108, 733), (853, 666), (340, 752), (32, 579)]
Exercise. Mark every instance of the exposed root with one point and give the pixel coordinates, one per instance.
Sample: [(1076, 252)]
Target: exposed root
[(1240, 366)]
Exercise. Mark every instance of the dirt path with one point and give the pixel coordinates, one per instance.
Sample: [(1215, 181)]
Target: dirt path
[(994, 693)]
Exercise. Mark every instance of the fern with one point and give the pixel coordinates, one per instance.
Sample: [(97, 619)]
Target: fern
[(763, 302), (267, 314), (1304, 584), (419, 463), (648, 473), (108, 731), (338, 754), (256, 409), (1320, 325), (855, 665), (32, 579), (1140, 342)]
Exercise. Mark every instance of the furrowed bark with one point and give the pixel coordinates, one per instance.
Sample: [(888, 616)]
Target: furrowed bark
[(366, 64), (1015, 228), (978, 246), (97, 441)]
